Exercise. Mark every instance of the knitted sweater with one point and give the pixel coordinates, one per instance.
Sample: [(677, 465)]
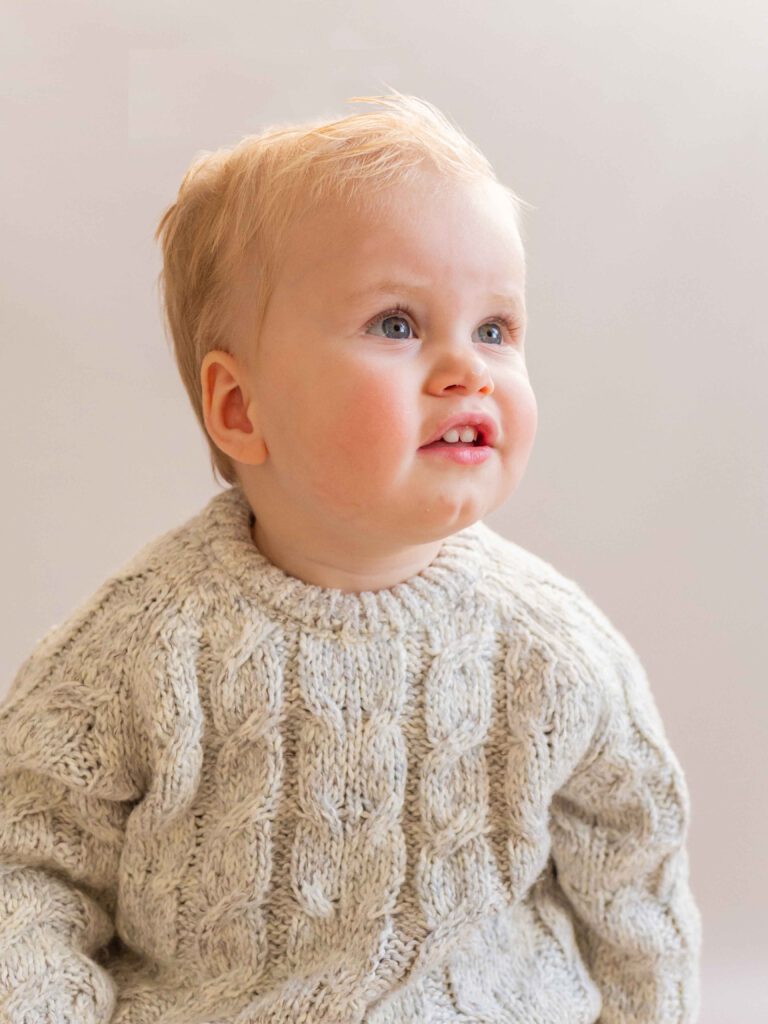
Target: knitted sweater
[(228, 796)]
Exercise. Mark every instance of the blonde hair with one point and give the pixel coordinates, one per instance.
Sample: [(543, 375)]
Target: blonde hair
[(235, 204)]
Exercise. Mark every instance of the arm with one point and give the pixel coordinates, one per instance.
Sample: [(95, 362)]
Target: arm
[(619, 827), (63, 806)]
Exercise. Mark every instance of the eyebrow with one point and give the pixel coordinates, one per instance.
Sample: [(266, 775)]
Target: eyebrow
[(390, 286)]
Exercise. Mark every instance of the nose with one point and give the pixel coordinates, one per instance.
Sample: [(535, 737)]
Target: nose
[(461, 368)]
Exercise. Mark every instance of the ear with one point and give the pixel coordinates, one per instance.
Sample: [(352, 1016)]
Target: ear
[(229, 409)]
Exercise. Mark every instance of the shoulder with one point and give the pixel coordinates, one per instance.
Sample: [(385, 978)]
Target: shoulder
[(532, 585), (123, 605), (553, 609), (78, 687), (587, 665), (67, 712)]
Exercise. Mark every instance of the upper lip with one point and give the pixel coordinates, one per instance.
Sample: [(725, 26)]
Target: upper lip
[(481, 421)]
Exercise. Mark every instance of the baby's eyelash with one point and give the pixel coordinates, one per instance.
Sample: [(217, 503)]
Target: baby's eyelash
[(395, 311), (510, 325)]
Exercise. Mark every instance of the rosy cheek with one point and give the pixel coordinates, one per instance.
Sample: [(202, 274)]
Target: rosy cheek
[(374, 417), (522, 413)]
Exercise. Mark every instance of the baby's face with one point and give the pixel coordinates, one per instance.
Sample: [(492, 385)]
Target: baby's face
[(384, 324)]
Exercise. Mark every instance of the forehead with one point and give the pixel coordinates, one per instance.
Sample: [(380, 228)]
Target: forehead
[(413, 235)]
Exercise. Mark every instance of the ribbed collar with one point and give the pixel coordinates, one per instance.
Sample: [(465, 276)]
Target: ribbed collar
[(224, 528)]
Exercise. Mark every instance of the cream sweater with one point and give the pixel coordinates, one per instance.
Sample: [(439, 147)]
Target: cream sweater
[(230, 796)]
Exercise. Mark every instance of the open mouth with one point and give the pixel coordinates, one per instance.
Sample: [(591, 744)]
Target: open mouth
[(479, 442)]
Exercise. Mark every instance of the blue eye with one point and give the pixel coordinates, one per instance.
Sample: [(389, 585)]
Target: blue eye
[(399, 326), (399, 316), (495, 326)]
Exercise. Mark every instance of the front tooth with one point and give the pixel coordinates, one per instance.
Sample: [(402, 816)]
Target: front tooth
[(467, 435)]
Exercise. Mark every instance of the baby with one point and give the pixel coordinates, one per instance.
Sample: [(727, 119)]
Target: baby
[(333, 750)]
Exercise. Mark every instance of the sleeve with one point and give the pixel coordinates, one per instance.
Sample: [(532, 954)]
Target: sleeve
[(65, 796), (619, 828)]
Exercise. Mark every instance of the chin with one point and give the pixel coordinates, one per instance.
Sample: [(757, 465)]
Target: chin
[(438, 521)]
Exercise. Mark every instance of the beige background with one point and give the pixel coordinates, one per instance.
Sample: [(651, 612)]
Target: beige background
[(638, 131)]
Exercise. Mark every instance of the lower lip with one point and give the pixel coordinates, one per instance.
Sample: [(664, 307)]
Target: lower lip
[(466, 454)]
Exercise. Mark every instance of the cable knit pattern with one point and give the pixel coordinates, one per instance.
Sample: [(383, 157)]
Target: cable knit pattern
[(228, 796)]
